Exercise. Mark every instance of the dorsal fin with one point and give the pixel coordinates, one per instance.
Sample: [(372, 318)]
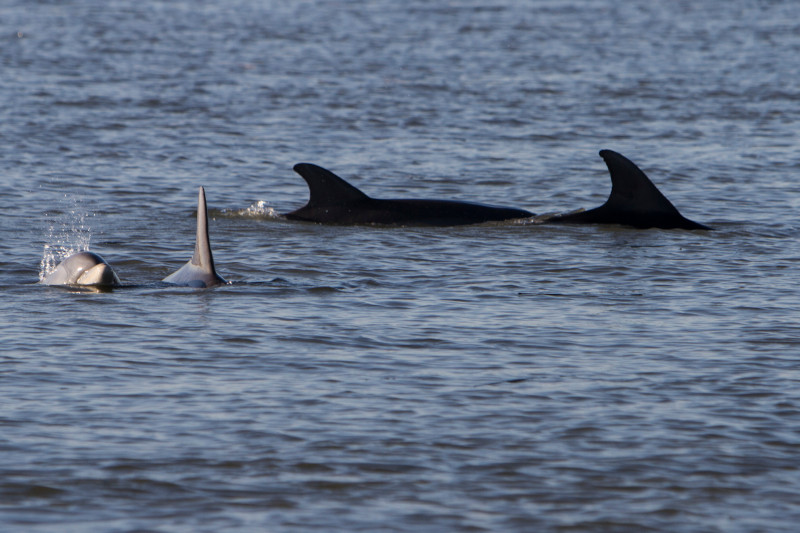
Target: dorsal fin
[(203, 257), (632, 190), (326, 188), (199, 271), (634, 201)]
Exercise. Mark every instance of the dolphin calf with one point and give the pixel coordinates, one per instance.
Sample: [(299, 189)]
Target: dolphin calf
[(199, 271), (634, 201), (83, 268), (334, 201)]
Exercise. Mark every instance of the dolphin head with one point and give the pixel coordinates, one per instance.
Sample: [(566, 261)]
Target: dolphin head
[(83, 268)]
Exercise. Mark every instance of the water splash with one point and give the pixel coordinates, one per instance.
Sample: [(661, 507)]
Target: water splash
[(67, 234), (260, 209)]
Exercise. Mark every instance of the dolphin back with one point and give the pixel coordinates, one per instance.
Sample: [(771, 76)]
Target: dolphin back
[(634, 201), (334, 201)]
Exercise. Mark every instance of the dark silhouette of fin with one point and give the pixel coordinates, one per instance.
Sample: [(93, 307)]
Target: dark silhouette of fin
[(199, 271), (634, 201), (326, 188)]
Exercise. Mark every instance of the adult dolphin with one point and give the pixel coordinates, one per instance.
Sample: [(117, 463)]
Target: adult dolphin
[(634, 201), (83, 268), (334, 201), (199, 271)]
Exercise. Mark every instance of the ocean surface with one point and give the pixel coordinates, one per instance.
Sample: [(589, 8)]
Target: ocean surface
[(499, 377)]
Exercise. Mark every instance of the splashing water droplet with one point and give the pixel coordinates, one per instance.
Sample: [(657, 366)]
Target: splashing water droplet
[(67, 234)]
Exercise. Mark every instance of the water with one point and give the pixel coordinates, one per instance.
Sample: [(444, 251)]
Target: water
[(503, 377)]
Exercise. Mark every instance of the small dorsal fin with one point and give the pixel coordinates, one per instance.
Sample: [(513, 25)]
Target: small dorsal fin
[(631, 189), (326, 188)]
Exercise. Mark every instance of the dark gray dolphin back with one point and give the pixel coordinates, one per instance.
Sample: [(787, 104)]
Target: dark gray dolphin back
[(326, 188), (634, 201), (200, 270), (334, 201)]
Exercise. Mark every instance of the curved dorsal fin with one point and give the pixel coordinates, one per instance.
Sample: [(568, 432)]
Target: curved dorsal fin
[(632, 190), (326, 188)]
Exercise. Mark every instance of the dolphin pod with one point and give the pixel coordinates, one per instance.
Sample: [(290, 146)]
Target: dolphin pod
[(89, 269), (634, 201)]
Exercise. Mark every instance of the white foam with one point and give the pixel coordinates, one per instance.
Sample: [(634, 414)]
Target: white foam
[(260, 209)]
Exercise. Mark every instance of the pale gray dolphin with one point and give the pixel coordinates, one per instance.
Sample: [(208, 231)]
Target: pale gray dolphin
[(199, 271), (83, 268)]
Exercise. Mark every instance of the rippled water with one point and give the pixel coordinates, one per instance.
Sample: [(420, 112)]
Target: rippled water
[(501, 377)]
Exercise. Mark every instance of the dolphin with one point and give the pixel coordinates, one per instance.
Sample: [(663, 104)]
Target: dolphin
[(83, 268), (634, 201), (199, 271), (334, 201)]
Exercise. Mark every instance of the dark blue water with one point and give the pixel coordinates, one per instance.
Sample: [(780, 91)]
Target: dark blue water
[(501, 377)]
